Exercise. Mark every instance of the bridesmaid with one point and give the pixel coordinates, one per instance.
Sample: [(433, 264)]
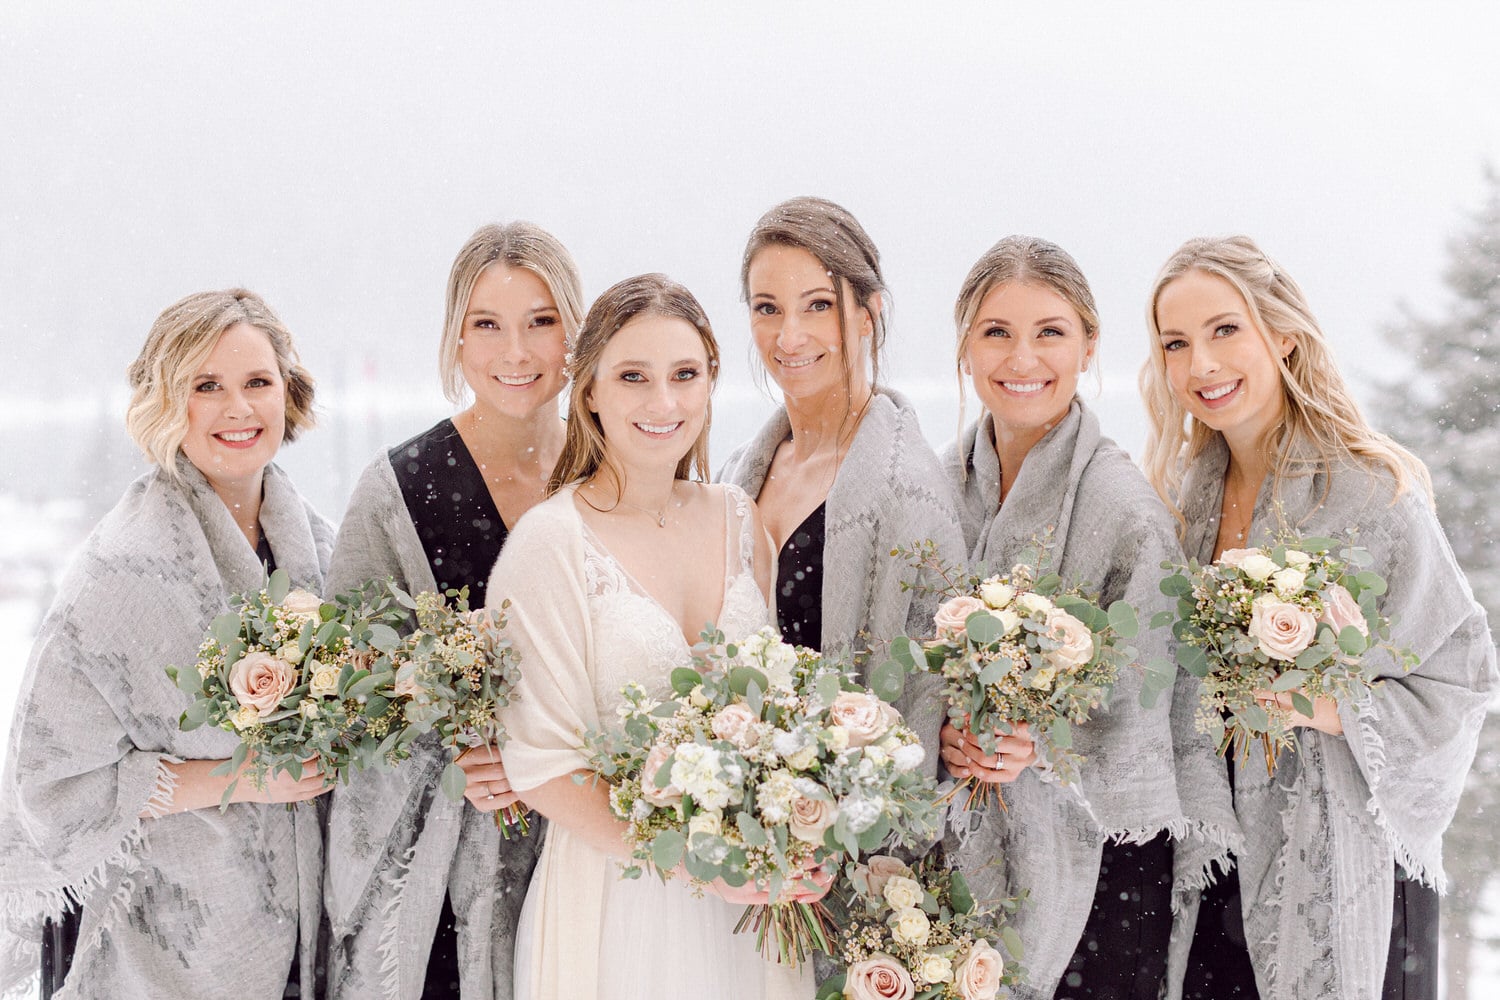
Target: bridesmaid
[(106, 801), (1096, 859), (1253, 432), (422, 893), (840, 472)]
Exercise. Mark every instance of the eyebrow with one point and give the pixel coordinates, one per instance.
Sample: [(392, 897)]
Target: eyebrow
[(646, 364), (1210, 322), (810, 291), (490, 312), (258, 373), (1049, 320)]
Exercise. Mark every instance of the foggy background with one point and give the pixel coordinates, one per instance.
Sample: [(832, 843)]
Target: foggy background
[(333, 157)]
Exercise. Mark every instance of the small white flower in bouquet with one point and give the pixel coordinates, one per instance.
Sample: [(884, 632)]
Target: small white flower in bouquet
[(300, 680), (761, 764)]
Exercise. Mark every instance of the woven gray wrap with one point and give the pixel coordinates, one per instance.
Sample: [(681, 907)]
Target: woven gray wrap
[(398, 843), (201, 903)]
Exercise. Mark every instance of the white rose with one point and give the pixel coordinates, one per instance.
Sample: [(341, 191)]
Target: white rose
[(1298, 558), (910, 926), (996, 594), (882, 869), (697, 698), (245, 717), (902, 892), (804, 758), (1009, 620), (325, 680), (780, 661), (308, 708), (1032, 603), (1288, 581), (291, 652), (710, 824), (1258, 567), (1042, 679), (936, 969), (1281, 629), (875, 755), (303, 604), (837, 738), (1236, 557)]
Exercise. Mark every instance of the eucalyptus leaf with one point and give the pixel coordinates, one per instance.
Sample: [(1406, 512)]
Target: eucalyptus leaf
[(1122, 619), (1162, 619), (753, 833), (1255, 718), (907, 652), (1288, 680), (453, 782), (278, 586), (1193, 659), (384, 638), (983, 628), (667, 849), (888, 680), (1061, 733), (1176, 585), (958, 891), (225, 629), (1302, 703), (1352, 641), (684, 679)]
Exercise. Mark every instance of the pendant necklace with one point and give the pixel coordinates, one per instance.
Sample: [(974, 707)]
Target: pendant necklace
[(660, 515)]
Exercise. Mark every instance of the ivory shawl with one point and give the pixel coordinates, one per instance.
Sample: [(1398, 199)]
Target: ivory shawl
[(397, 843), (1109, 533), (1323, 837), (202, 903)]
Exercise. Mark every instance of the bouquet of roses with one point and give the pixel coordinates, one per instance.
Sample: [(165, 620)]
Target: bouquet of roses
[(453, 673), (298, 678), (1019, 647), (764, 763), (1293, 618), (917, 932)]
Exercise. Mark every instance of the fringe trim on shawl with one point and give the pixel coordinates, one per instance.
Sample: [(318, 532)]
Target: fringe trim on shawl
[(160, 802), (1374, 753), (1226, 842), (388, 948)]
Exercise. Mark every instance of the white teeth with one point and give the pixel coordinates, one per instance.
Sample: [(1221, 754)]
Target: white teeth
[(1025, 386), (516, 379), (1219, 392), (659, 428), (238, 435), (796, 362)]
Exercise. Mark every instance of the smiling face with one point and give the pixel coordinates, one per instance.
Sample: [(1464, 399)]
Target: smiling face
[(236, 409), (1025, 350), (651, 392), (513, 343), (1220, 364), (794, 319)]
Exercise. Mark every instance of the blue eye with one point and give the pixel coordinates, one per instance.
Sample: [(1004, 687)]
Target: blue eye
[(1052, 331), (206, 387), (997, 331), (685, 374), (819, 305), (1173, 345), (258, 383), (763, 309), (1225, 330), (635, 378)]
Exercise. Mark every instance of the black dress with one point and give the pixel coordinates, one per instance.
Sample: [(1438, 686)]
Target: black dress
[(1123, 952), (461, 534), (799, 583)]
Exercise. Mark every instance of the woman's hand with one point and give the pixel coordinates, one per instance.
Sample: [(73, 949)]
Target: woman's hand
[(965, 758), (488, 788), (791, 891), (1325, 717), (197, 787)]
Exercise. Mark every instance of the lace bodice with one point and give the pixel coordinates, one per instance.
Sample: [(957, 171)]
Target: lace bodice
[(635, 638)]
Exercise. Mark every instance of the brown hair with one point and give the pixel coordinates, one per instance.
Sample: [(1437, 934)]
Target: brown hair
[(515, 244), (179, 343), (834, 236), (644, 295), (1319, 408)]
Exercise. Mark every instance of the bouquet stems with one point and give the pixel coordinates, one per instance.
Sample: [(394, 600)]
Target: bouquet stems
[(513, 821), (787, 933)]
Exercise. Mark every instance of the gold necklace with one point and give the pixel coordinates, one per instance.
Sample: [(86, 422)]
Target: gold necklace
[(660, 516)]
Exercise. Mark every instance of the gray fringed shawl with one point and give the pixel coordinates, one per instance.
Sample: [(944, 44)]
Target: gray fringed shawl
[(1323, 837), (201, 903), (1110, 532), (397, 844), (889, 491)]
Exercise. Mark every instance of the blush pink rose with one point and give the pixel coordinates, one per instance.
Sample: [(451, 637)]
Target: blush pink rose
[(669, 795), (1077, 642), (810, 817), (1341, 610), (1281, 629), (260, 681), (735, 723), (863, 716), (882, 869), (879, 977), (953, 614), (978, 975)]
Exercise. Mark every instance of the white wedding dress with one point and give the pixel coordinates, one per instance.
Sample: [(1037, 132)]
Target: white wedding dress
[(652, 941)]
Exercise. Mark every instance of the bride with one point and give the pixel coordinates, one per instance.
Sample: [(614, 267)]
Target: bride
[(610, 581)]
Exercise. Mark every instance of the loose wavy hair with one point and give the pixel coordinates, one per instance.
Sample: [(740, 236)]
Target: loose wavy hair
[(1320, 412), (177, 347), (515, 244), (583, 454)]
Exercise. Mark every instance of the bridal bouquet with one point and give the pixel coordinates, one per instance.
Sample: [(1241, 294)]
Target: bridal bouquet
[(300, 679), (453, 673), (1291, 618), (917, 932), (764, 763), (1019, 647)]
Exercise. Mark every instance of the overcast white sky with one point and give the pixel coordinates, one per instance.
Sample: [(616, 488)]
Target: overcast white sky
[(334, 157)]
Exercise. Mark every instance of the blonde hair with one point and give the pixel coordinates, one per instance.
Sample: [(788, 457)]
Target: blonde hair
[(179, 344), (515, 244), (1024, 260), (1319, 409), (645, 295), (834, 236)]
